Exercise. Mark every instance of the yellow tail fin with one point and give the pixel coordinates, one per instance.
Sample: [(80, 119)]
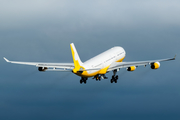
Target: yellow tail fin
[(77, 61)]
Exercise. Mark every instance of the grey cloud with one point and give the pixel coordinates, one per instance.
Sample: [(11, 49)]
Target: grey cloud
[(89, 13)]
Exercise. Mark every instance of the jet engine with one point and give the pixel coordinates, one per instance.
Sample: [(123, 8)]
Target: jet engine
[(42, 68), (155, 65), (132, 68)]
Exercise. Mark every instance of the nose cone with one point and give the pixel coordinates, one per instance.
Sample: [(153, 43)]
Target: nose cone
[(122, 49)]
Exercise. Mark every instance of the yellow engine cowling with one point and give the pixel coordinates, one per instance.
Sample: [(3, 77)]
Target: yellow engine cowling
[(132, 68), (155, 65)]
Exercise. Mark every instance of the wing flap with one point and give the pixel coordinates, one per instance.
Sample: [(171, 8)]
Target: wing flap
[(56, 66)]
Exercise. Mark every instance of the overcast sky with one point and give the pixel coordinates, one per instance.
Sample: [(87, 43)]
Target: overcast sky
[(41, 31)]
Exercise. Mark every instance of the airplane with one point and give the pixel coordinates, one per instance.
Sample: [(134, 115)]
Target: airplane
[(96, 67)]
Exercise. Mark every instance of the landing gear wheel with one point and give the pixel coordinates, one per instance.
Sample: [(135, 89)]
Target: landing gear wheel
[(115, 81), (114, 78), (84, 81)]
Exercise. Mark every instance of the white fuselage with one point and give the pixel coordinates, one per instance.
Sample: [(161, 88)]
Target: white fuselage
[(104, 60)]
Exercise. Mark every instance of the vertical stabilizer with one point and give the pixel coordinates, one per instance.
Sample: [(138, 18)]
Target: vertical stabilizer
[(77, 61)]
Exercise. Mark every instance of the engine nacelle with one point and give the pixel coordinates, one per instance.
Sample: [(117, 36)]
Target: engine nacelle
[(42, 68), (132, 68), (155, 65)]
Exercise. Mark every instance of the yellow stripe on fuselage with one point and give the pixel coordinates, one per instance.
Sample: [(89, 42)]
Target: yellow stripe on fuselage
[(86, 74), (120, 60), (104, 70), (101, 71)]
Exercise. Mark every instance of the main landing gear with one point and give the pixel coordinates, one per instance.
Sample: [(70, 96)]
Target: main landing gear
[(114, 77), (83, 80), (99, 77)]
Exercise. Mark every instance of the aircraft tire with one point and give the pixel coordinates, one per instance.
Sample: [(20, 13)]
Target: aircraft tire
[(81, 81), (84, 81)]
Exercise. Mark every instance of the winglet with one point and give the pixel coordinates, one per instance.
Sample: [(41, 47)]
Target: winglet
[(174, 57), (6, 59)]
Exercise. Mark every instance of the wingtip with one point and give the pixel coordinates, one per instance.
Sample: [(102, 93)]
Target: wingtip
[(174, 57), (6, 59)]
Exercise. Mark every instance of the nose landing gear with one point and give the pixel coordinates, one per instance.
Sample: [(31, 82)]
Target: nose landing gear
[(99, 77)]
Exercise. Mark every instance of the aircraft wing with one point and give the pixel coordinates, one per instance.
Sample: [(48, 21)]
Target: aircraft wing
[(47, 66), (118, 65)]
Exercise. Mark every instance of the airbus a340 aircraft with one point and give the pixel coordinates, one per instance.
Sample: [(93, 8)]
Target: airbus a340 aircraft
[(96, 67)]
